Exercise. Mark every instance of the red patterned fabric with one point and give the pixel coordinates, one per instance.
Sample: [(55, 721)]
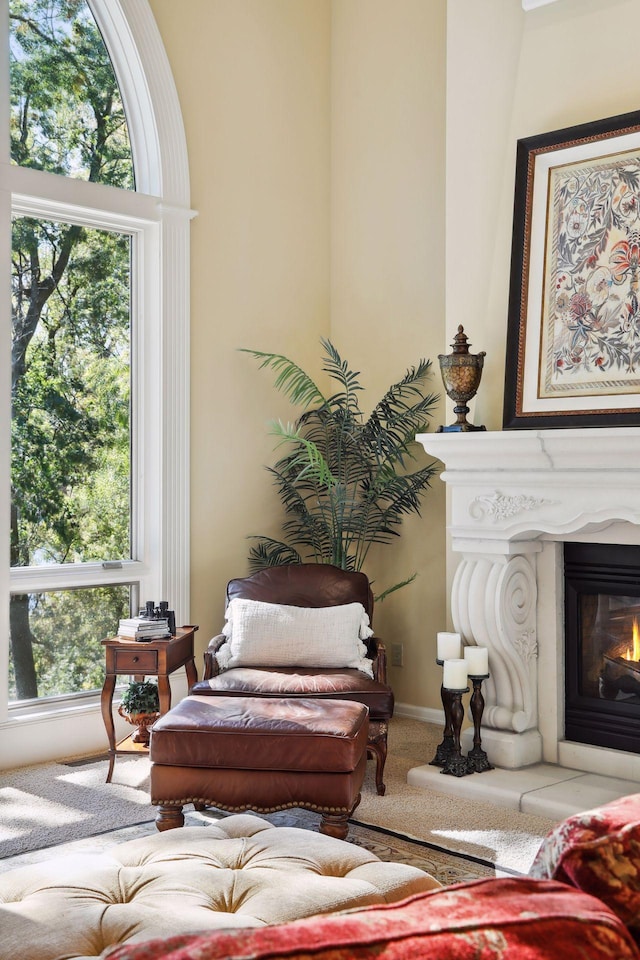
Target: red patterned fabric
[(514, 919), (599, 852)]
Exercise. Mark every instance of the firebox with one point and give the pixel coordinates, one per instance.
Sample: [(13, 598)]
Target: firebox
[(602, 645)]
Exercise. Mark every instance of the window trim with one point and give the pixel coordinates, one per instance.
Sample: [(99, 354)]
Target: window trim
[(158, 216)]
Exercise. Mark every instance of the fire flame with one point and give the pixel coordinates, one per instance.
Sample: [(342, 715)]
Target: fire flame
[(633, 653)]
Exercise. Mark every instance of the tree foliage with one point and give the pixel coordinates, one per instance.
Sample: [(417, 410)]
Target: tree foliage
[(70, 345), (67, 116), (345, 481)]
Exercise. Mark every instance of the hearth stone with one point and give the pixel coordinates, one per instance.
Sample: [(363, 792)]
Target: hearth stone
[(505, 749)]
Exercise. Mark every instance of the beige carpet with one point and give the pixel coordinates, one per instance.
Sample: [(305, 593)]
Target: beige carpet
[(446, 867), (500, 836), (52, 804)]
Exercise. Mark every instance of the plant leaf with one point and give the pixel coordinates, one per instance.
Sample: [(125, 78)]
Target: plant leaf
[(398, 586), (292, 381), (271, 553), (307, 454)]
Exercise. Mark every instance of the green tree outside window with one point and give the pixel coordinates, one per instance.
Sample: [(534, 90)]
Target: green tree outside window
[(70, 365)]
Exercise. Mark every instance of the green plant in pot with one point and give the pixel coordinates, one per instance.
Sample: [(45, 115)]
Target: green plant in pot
[(140, 706), (345, 481)]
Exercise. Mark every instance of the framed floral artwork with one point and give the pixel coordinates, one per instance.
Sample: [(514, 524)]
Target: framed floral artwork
[(573, 336)]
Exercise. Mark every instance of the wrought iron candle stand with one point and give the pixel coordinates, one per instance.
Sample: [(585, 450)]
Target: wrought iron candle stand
[(456, 765), (445, 748), (477, 757)]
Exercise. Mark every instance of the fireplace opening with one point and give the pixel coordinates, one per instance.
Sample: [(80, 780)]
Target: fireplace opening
[(602, 645)]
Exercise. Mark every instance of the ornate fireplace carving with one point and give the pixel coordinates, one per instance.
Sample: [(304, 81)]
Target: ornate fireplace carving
[(513, 498)]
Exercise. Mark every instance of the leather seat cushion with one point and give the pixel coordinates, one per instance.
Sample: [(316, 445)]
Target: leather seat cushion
[(262, 733), (301, 682)]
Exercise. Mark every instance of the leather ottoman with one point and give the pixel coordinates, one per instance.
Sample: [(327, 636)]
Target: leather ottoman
[(262, 754)]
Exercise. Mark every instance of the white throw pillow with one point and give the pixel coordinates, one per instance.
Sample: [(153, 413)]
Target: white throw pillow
[(276, 635)]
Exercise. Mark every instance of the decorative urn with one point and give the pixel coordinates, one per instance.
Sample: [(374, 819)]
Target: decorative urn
[(461, 372)]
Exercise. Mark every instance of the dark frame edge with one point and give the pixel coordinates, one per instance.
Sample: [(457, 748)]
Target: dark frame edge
[(526, 147)]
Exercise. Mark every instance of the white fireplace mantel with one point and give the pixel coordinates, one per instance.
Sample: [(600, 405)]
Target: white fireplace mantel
[(521, 484), (514, 497)]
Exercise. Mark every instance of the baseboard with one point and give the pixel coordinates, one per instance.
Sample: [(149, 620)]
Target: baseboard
[(425, 714)]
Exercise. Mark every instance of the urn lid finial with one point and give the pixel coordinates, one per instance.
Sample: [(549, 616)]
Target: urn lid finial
[(460, 341)]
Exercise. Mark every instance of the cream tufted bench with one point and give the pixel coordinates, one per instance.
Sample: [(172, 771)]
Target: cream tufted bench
[(239, 872)]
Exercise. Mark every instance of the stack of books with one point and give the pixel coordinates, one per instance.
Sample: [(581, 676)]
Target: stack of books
[(137, 628)]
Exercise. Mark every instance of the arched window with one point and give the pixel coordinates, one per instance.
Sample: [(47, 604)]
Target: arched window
[(95, 386)]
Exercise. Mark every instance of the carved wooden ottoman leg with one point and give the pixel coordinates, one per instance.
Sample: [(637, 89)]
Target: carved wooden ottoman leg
[(335, 825), (377, 746), (169, 816)]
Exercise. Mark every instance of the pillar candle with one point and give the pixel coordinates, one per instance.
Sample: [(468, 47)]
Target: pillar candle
[(454, 674), (449, 646), (477, 661)]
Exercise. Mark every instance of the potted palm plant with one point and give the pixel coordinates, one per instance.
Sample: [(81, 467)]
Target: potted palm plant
[(345, 480), (140, 706)]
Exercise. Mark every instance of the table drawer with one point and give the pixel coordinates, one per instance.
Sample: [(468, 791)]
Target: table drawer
[(130, 661)]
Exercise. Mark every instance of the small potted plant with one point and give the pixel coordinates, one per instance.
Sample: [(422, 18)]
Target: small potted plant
[(140, 706)]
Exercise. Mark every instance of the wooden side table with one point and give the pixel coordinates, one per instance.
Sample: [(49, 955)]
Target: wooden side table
[(140, 659)]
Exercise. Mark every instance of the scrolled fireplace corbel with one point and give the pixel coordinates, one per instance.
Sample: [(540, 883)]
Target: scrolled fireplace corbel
[(493, 604)]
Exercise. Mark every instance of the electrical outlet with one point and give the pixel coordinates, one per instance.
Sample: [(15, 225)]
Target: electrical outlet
[(397, 655)]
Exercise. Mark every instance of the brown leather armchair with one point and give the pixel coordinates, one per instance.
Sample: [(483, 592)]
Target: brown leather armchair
[(309, 585)]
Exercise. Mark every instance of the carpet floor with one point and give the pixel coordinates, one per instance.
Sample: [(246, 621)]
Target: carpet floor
[(70, 803), (446, 867)]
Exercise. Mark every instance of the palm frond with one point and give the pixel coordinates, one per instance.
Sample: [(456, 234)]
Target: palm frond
[(338, 370), (310, 522), (292, 381), (379, 597), (393, 423), (411, 383), (348, 458), (401, 496), (293, 494), (314, 538), (307, 455), (399, 489), (270, 553)]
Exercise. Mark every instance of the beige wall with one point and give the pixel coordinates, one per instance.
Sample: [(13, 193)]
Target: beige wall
[(315, 133), (387, 276), (252, 77), (512, 75)]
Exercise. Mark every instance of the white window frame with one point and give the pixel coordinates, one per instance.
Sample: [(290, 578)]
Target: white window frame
[(157, 216)]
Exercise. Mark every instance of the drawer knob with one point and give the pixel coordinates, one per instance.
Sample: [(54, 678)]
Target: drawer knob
[(135, 659)]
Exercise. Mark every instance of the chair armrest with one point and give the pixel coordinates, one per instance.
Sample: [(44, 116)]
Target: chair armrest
[(378, 653), (211, 668)]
